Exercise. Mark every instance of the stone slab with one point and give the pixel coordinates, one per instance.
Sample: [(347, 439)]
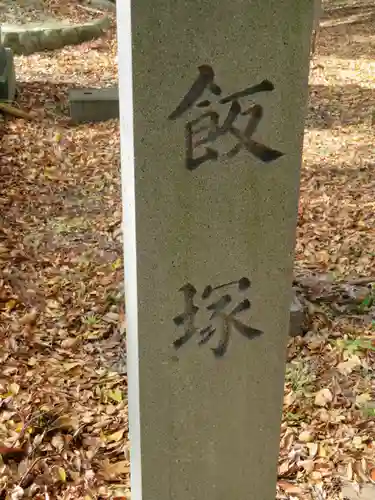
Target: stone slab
[(209, 233), (7, 76), (93, 105)]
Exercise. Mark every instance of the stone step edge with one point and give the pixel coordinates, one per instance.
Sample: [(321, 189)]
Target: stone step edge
[(25, 40)]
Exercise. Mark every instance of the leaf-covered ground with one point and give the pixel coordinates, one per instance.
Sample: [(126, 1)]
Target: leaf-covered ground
[(63, 385), (328, 434)]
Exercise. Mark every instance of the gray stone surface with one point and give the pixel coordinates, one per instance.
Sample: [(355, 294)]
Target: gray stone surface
[(49, 35), (93, 105), (297, 317), (205, 426), (103, 4), (7, 76), (3, 57)]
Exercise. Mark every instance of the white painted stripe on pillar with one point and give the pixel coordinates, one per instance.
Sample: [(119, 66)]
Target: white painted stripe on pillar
[(124, 38)]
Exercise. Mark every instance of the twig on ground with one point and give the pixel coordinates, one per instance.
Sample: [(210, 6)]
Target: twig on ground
[(18, 113), (362, 281), (38, 459), (90, 9)]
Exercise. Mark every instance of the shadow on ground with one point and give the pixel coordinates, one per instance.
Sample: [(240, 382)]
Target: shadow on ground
[(348, 31), (339, 106)]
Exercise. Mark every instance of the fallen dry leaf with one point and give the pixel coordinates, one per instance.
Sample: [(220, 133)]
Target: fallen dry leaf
[(308, 465), (290, 488), (323, 397), (346, 367), (29, 318), (116, 436), (16, 454), (306, 436), (111, 471), (61, 274)]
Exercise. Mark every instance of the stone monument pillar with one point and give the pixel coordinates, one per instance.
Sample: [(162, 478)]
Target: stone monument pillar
[(212, 104)]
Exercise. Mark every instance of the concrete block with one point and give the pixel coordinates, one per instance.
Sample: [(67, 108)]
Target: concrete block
[(297, 317), (2, 56), (3, 59), (7, 75), (93, 105)]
